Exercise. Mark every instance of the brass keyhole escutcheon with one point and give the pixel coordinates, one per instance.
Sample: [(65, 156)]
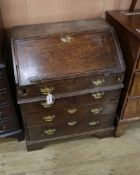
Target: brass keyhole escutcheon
[(66, 39)]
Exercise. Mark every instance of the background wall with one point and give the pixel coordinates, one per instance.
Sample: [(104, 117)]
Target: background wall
[(20, 12)]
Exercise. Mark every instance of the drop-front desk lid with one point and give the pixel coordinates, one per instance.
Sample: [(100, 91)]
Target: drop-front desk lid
[(64, 50)]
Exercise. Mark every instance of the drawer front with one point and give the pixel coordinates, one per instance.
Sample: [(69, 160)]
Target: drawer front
[(135, 90), (132, 108), (6, 111), (70, 85), (9, 125), (4, 97), (70, 101), (85, 112), (69, 128)]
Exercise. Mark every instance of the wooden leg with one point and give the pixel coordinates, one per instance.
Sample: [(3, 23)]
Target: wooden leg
[(120, 129), (20, 137), (110, 132), (35, 146), (132, 6)]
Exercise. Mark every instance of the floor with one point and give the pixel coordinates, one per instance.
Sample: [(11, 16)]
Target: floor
[(92, 156)]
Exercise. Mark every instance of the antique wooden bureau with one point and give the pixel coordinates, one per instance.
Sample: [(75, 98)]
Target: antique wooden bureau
[(68, 77), (128, 30), (9, 123)]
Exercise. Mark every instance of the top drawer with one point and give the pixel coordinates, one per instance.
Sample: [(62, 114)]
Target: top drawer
[(70, 85)]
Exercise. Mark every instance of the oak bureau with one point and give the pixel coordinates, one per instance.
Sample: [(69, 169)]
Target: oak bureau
[(68, 78)]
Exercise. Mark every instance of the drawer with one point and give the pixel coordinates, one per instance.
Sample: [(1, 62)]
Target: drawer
[(4, 97), (8, 126), (6, 111), (132, 108), (3, 84), (70, 128), (67, 102), (135, 90), (70, 85), (85, 112)]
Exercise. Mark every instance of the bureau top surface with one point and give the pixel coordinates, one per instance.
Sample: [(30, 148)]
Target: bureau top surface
[(64, 50), (130, 21)]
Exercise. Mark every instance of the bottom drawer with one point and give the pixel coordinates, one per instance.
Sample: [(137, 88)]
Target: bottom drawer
[(8, 125), (70, 128), (132, 109)]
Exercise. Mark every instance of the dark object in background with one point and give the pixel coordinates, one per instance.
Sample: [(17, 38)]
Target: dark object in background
[(77, 63), (128, 30), (9, 123), (132, 6)]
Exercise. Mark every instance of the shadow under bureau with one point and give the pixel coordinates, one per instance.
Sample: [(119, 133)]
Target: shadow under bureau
[(68, 77)]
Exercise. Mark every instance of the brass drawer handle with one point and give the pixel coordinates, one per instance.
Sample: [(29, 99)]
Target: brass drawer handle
[(94, 123), (50, 131), (46, 91), (66, 39), (98, 95), (45, 105), (72, 123), (98, 82), (96, 111), (49, 118), (72, 111)]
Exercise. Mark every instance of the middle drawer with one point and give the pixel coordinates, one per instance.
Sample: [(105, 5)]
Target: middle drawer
[(67, 102), (56, 116)]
